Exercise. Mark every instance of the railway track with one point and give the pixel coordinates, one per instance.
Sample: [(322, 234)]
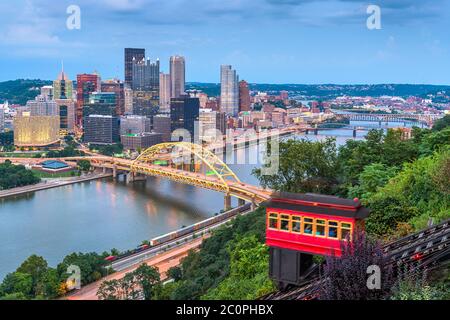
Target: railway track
[(428, 249)]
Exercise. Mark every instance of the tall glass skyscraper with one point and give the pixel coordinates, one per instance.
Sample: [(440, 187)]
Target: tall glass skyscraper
[(145, 75), (130, 55), (177, 76), (164, 93), (229, 90)]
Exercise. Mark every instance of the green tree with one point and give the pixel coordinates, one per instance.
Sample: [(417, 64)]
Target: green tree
[(373, 177), (148, 279), (17, 283), (304, 166), (84, 165)]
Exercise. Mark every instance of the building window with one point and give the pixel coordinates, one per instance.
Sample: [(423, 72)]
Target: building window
[(308, 226), (346, 231), (333, 227), (296, 224), (320, 227), (273, 221), (284, 225)]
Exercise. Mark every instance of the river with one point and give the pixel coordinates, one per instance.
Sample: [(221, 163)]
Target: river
[(100, 215)]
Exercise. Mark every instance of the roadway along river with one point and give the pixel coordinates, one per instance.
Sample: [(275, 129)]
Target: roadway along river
[(101, 215)]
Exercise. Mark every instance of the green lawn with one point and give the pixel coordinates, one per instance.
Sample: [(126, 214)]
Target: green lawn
[(45, 175), (16, 155)]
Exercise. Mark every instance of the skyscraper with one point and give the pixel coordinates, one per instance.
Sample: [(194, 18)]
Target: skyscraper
[(42, 106), (229, 91), (244, 97), (177, 76), (86, 84), (145, 75), (164, 93), (130, 54), (62, 87), (101, 129), (184, 112), (114, 85)]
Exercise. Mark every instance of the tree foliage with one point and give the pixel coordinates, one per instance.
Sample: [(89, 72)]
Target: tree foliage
[(304, 166), (12, 176)]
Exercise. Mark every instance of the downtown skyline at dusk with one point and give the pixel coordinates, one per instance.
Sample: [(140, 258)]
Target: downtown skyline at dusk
[(268, 41)]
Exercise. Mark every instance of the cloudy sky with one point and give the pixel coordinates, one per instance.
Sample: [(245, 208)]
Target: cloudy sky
[(267, 41)]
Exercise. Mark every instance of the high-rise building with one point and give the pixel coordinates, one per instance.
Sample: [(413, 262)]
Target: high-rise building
[(47, 92), (100, 103), (210, 124), (128, 95), (145, 103), (177, 76), (86, 84), (66, 109), (164, 93), (134, 125), (229, 90), (139, 142), (244, 97), (100, 129), (184, 112), (145, 75), (35, 131), (162, 124), (42, 105), (130, 55), (117, 87), (62, 87)]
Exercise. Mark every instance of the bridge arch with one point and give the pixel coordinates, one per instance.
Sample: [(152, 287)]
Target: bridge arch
[(212, 161)]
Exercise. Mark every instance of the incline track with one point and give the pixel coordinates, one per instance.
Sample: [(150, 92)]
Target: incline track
[(428, 249)]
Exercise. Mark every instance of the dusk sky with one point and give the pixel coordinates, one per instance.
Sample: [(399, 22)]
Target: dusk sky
[(267, 41)]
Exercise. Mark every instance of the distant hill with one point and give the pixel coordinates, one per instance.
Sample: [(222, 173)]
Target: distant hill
[(324, 91), (20, 91)]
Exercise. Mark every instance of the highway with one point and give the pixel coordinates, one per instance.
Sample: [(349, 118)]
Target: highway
[(140, 257), (162, 262)]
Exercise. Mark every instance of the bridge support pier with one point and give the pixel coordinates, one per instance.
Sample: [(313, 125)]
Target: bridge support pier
[(130, 178), (115, 173), (316, 132), (227, 202), (354, 133)]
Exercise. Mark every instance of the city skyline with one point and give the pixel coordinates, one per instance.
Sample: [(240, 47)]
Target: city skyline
[(268, 41)]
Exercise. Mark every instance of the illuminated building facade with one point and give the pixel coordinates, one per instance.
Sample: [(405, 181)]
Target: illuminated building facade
[(36, 131), (86, 84)]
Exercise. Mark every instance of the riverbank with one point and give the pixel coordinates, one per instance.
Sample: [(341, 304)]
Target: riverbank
[(50, 184)]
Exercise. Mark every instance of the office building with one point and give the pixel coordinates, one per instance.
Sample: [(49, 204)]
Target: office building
[(128, 105), (86, 85), (177, 76), (66, 113), (62, 87), (134, 125), (145, 75), (164, 93), (42, 105), (184, 112), (117, 87), (145, 103), (101, 129), (244, 97), (162, 124), (229, 91), (47, 92), (139, 142), (210, 124), (100, 103), (36, 131), (130, 55)]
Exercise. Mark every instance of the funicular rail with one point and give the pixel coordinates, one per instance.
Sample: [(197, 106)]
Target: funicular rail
[(428, 250)]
